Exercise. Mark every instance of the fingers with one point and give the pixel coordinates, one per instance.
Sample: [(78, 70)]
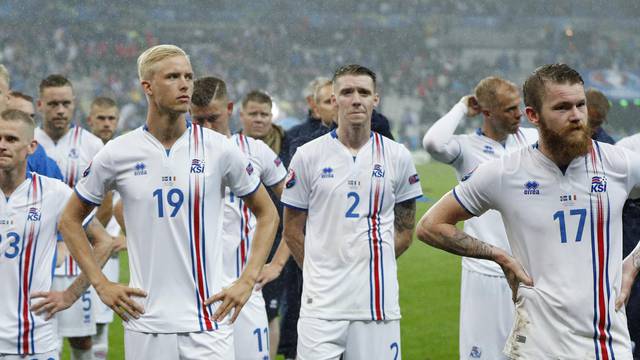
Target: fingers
[(217, 297), (223, 309)]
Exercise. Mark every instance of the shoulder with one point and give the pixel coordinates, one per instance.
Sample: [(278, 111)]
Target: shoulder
[(630, 142), (89, 139)]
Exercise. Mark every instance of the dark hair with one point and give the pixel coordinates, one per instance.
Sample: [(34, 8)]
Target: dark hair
[(55, 80), (207, 88), (353, 69), (597, 105), (104, 102), (23, 96), (533, 88), (258, 96)]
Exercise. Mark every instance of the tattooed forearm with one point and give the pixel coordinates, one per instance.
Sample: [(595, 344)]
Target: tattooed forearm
[(404, 215), (404, 222), (461, 243)]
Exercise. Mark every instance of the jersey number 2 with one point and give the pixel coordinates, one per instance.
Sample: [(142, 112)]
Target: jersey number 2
[(351, 211)]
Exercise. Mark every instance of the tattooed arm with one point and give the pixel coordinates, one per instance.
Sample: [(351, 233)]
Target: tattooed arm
[(630, 269), (403, 223), (437, 228)]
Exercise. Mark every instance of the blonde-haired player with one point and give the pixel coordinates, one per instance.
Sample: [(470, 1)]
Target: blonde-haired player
[(171, 176)]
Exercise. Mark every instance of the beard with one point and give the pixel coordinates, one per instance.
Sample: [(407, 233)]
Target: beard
[(568, 143)]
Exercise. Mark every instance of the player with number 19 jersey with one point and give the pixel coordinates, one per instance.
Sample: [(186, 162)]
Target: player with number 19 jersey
[(173, 207), (349, 266), (565, 228), (28, 221)]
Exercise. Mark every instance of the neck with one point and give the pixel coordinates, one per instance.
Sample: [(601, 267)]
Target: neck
[(561, 160), (354, 137), (55, 134), (494, 134), (11, 178), (166, 127)]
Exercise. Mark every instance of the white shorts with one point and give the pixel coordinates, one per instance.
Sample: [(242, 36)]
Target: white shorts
[(210, 345), (78, 320), (330, 339), (51, 355), (104, 315), (486, 315), (251, 330)]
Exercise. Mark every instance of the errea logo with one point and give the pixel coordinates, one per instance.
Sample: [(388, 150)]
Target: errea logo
[(327, 173), (531, 187), (140, 169)]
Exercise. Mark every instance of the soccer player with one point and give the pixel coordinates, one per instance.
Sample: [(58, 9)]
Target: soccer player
[(211, 108), (28, 220), (630, 238), (354, 191), (561, 203), (171, 175), (103, 121), (597, 109), (486, 309), (72, 147), (256, 119), (37, 162)]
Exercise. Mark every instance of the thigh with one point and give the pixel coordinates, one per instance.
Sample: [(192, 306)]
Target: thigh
[(251, 330), (51, 355), (79, 319), (142, 346), (210, 345), (486, 315), (373, 340), (321, 339)]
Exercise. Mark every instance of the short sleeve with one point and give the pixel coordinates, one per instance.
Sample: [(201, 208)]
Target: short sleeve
[(239, 174), (273, 170), (408, 185), (296, 187), (97, 178), (475, 192)]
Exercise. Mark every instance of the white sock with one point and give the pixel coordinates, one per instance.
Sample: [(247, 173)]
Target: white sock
[(100, 342), (77, 354)]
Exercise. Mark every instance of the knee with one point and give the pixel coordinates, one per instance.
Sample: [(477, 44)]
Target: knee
[(81, 343)]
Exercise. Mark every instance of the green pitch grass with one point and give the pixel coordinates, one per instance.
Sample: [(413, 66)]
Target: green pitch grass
[(429, 288)]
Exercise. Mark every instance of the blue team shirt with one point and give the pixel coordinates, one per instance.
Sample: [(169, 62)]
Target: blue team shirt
[(42, 164)]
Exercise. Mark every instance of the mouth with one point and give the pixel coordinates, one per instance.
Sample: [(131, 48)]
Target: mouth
[(184, 98)]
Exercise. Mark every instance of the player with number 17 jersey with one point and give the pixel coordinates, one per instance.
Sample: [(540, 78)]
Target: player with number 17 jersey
[(28, 221), (177, 251), (565, 228), (349, 265)]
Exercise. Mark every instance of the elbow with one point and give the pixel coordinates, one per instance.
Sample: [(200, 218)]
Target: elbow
[(425, 231), (429, 144)]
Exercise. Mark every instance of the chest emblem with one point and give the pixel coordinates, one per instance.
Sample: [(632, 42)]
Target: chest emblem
[(140, 169), (598, 184)]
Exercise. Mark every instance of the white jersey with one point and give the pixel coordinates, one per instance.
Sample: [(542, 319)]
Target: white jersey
[(349, 265), (175, 255), (566, 231), (239, 222), (630, 142), (466, 153), (73, 153), (28, 221)]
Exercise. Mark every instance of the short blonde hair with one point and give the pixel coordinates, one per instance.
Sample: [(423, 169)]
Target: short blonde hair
[(486, 91), (321, 84), (4, 74), (153, 55)]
